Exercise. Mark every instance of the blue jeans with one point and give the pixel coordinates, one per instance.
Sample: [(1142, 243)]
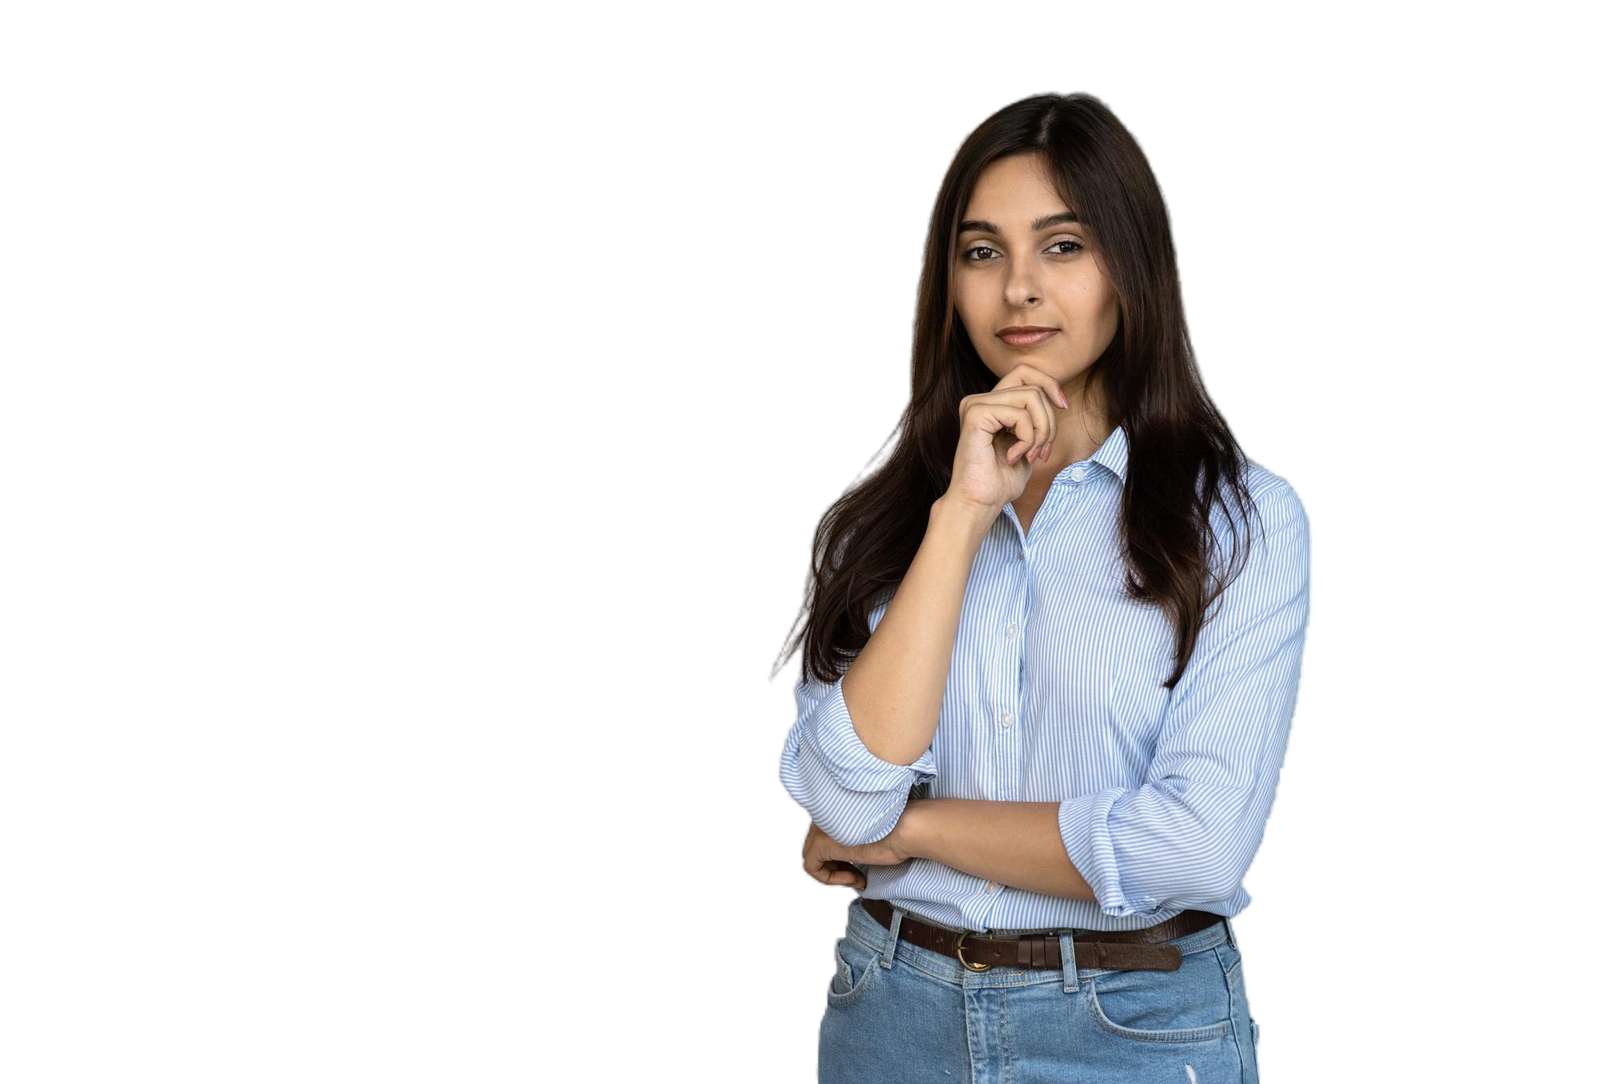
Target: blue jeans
[(898, 1012)]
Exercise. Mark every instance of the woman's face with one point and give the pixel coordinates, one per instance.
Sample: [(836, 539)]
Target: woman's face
[(1019, 264)]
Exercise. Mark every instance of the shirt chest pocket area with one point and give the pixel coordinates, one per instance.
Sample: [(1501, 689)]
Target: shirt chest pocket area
[(1138, 696)]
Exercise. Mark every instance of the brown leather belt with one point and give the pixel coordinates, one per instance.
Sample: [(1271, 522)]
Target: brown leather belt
[(1131, 950)]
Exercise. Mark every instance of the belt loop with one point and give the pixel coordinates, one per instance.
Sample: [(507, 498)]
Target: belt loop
[(887, 959), (1069, 962), (1228, 924)]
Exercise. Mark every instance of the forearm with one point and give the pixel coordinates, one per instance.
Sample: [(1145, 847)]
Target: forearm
[(1013, 843), (894, 688)]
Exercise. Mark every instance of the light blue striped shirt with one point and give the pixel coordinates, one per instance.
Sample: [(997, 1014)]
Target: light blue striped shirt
[(1055, 695)]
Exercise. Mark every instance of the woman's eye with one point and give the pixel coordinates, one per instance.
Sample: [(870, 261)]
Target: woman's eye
[(984, 248)]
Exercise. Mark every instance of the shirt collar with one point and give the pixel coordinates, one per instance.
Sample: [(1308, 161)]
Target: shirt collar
[(1112, 454)]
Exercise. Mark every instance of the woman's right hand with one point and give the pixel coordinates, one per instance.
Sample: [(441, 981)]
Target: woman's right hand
[(1004, 431)]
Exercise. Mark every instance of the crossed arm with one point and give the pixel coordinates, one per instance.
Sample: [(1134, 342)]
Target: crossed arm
[(1015, 843)]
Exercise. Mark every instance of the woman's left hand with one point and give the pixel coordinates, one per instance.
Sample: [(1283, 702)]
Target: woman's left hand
[(832, 863)]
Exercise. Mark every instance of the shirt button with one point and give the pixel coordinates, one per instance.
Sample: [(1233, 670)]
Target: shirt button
[(1011, 631), (1005, 718), (1076, 474), (993, 887)]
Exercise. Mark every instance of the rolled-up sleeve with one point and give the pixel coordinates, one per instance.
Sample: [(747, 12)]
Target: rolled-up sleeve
[(852, 794), (1185, 837)]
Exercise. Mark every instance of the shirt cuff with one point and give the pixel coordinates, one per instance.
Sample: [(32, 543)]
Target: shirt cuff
[(1085, 830), (831, 734)]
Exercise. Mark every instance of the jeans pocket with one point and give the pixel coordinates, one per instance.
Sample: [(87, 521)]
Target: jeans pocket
[(1230, 956), (1189, 1005), (855, 969)]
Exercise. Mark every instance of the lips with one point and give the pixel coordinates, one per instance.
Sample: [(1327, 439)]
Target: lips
[(1025, 335)]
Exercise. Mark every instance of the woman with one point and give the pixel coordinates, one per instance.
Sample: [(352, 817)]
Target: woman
[(1067, 618)]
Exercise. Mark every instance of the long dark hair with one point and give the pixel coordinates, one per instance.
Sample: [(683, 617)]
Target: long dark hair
[(1181, 452)]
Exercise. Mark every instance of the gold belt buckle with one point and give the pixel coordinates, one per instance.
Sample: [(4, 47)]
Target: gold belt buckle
[(969, 965)]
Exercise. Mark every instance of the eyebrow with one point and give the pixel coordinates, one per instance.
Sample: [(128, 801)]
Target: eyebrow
[(984, 226)]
